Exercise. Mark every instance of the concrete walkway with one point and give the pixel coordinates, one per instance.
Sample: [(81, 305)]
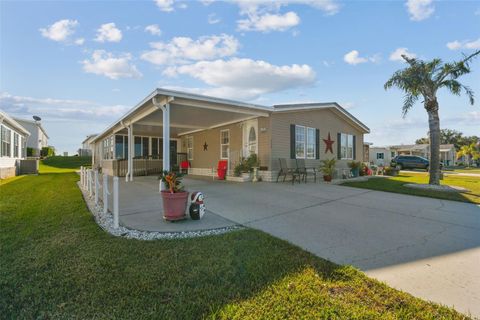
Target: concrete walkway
[(427, 247)]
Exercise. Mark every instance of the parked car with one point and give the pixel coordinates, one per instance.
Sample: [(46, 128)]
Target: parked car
[(410, 162)]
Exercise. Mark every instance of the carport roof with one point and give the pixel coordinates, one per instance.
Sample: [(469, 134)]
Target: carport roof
[(220, 104)]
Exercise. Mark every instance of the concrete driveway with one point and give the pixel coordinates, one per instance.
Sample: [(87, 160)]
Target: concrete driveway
[(427, 247)]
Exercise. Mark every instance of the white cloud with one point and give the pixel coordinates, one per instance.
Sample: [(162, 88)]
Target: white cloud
[(79, 41), (165, 5), (184, 49), (153, 29), (108, 32), (58, 108), (60, 31), (269, 22), (106, 64), (213, 19), (330, 7), (353, 57), (397, 54), (466, 44), (265, 16), (420, 9), (245, 79)]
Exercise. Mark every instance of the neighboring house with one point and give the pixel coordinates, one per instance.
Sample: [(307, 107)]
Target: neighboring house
[(38, 136), (383, 155), (204, 130), (86, 149), (13, 137)]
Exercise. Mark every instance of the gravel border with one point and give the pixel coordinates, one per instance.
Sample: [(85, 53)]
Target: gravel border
[(436, 187), (105, 221)]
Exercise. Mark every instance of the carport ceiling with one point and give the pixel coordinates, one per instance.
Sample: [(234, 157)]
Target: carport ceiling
[(185, 118)]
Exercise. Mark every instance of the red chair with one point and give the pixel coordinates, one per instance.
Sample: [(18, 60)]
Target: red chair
[(184, 165), (222, 168)]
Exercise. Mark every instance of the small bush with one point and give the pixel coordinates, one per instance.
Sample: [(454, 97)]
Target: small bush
[(47, 152)]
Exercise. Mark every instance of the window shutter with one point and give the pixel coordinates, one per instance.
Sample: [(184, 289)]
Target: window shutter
[(354, 147), (339, 146), (292, 141), (317, 144)]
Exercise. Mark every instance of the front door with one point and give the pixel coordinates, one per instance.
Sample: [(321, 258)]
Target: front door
[(173, 151), (250, 137)]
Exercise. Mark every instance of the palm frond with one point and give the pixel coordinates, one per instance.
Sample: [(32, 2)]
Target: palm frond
[(456, 69), (408, 102)]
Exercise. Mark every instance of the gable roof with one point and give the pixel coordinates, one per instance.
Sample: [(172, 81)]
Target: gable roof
[(244, 105), (323, 105), (4, 117), (39, 125)]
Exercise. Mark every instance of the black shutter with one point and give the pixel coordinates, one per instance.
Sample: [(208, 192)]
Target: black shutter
[(354, 147), (317, 144), (292, 141), (339, 146)]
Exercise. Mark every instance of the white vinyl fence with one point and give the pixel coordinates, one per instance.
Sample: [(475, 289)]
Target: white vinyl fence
[(96, 186)]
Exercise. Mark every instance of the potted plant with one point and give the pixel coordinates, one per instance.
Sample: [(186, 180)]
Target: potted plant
[(174, 197), (354, 167), (328, 169), (390, 171)]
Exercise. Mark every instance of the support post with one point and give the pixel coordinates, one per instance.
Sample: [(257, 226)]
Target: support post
[(81, 177), (97, 184), (166, 137), (115, 203), (105, 193), (91, 186)]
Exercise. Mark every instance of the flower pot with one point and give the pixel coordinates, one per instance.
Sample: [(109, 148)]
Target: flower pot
[(327, 178), (174, 205), (355, 172)]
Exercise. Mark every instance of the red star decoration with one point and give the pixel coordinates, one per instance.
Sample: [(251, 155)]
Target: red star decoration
[(329, 144)]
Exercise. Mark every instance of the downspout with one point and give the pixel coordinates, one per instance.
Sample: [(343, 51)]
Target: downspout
[(127, 175)]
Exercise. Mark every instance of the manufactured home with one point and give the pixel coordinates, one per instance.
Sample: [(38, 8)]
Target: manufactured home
[(13, 137), (203, 130)]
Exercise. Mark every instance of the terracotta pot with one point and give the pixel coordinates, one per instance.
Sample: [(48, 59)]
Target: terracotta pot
[(174, 205), (327, 178)]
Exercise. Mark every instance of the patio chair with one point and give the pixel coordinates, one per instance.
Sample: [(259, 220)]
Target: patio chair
[(303, 170), (285, 171)]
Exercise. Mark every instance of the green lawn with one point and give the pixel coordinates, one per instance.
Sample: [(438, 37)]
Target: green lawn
[(396, 184), (466, 170), (64, 164), (55, 262)]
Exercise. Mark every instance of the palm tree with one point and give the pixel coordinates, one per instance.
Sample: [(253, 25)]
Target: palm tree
[(470, 152), (423, 79)]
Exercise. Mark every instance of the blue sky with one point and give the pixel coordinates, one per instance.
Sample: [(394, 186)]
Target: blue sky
[(81, 65)]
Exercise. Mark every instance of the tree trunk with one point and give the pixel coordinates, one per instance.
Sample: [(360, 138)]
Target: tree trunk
[(434, 126)]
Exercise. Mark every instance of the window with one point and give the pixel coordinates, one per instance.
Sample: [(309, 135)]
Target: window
[(380, 155), (15, 145), (22, 147), (252, 141), (155, 152), (108, 148), (119, 147), (190, 148), (125, 147), (224, 144), (346, 142), (138, 147), (392, 154), (305, 142), (310, 143), (145, 146), (300, 142), (6, 142)]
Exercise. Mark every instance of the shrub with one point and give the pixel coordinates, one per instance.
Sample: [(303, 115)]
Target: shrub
[(389, 171), (30, 152), (328, 167), (246, 165), (47, 152)]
